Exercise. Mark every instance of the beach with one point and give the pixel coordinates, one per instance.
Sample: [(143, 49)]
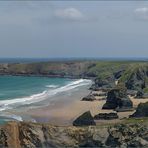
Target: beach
[(60, 105), (65, 112)]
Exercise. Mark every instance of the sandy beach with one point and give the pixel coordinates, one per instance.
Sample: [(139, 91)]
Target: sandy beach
[(65, 112)]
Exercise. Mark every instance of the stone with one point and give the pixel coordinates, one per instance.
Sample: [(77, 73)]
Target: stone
[(141, 111), (118, 100), (90, 97), (141, 95), (131, 92), (106, 116), (84, 119)]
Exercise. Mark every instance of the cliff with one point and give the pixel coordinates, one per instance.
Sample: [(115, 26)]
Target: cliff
[(29, 135), (101, 69)]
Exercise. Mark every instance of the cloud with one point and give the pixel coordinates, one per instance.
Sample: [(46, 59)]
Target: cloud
[(71, 14), (141, 13), (141, 10)]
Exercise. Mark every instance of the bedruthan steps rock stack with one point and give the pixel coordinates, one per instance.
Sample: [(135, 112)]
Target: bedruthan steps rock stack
[(118, 100)]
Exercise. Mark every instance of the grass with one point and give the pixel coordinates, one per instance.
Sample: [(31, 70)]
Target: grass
[(99, 69)]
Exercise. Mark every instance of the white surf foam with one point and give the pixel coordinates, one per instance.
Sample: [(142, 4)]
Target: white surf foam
[(7, 104), (52, 86), (11, 116)]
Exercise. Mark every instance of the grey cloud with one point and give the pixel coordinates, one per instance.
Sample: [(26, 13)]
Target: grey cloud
[(141, 13), (69, 14)]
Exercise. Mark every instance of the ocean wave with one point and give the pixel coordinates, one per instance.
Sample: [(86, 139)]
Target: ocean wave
[(8, 117), (52, 86), (8, 104)]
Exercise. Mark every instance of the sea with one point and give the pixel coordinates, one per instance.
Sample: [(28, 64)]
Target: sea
[(18, 93)]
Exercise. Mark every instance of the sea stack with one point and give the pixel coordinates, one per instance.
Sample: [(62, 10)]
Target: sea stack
[(118, 100)]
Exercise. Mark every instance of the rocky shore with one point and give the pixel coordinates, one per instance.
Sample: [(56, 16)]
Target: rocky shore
[(106, 117), (31, 135)]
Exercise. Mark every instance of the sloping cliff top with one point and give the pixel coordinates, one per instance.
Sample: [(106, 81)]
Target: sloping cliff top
[(26, 134)]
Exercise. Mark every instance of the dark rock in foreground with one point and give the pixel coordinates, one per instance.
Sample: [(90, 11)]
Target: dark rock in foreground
[(84, 119), (89, 98), (128, 136), (37, 135), (117, 99), (141, 111), (106, 116)]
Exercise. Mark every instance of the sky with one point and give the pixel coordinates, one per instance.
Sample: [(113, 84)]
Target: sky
[(52, 29)]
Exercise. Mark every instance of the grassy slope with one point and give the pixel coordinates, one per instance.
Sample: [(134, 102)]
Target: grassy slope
[(101, 69)]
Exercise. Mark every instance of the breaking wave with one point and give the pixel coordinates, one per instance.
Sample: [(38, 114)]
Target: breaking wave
[(10, 103)]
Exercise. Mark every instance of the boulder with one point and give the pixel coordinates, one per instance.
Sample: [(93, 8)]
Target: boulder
[(141, 94), (90, 97), (103, 84), (118, 74), (141, 111), (84, 120), (131, 92), (106, 116), (118, 100), (100, 94)]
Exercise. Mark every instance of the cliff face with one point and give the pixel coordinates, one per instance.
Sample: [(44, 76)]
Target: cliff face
[(31, 135), (102, 69), (56, 69)]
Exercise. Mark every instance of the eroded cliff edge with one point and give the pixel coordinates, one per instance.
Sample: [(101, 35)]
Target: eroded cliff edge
[(29, 135)]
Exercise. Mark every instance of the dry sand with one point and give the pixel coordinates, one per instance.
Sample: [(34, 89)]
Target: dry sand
[(64, 113)]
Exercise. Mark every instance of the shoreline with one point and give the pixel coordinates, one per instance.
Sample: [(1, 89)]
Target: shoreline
[(48, 76), (63, 111), (57, 104)]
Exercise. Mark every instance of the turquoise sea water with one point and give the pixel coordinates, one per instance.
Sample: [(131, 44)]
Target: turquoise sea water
[(17, 92), (17, 86)]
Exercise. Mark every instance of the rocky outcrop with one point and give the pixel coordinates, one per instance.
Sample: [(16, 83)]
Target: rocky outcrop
[(118, 74), (100, 94), (141, 95), (106, 116), (90, 97), (84, 119), (132, 93), (133, 135), (136, 81), (141, 111), (136, 77), (103, 84), (118, 100), (32, 135)]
